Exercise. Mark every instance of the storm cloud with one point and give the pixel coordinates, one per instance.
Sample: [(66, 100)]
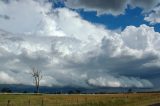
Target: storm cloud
[(71, 51), (103, 6), (113, 7)]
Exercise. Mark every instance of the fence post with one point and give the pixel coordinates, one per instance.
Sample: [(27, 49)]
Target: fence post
[(77, 102), (42, 102), (86, 101), (29, 102), (8, 103)]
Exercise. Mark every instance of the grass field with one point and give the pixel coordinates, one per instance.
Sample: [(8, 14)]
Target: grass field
[(139, 99)]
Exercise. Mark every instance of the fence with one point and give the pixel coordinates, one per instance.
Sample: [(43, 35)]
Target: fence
[(45, 102)]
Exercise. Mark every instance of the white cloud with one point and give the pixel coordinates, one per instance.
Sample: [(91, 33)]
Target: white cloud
[(74, 26), (110, 81), (6, 79), (141, 38), (154, 16), (70, 50), (30, 17)]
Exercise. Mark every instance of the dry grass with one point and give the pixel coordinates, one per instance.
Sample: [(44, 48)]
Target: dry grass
[(143, 99)]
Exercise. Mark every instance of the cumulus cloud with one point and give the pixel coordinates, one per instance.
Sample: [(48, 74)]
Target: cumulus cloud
[(6, 79), (68, 20), (37, 21), (110, 81), (71, 51), (110, 6), (154, 16), (142, 39)]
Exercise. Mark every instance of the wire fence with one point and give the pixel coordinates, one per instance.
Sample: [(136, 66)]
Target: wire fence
[(79, 100), (45, 102)]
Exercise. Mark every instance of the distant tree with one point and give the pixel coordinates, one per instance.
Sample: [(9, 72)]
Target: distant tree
[(37, 76), (77, 91), (130, 90), (70, 92), (25, 92), (6, 90)]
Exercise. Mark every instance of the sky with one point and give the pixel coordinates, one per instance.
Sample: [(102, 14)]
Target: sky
[(81, 43)]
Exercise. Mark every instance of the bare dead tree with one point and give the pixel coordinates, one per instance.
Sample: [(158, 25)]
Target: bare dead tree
[(37, 76)]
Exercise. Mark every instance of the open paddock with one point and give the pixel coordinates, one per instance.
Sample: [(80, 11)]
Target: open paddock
[(135, 99)]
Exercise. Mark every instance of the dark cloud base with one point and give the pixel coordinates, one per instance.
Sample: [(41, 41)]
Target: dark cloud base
[(113, 7)]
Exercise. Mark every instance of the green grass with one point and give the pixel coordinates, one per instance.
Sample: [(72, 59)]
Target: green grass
[(143, 99)]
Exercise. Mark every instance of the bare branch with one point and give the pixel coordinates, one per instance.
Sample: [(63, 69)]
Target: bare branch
[(37, 76)]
